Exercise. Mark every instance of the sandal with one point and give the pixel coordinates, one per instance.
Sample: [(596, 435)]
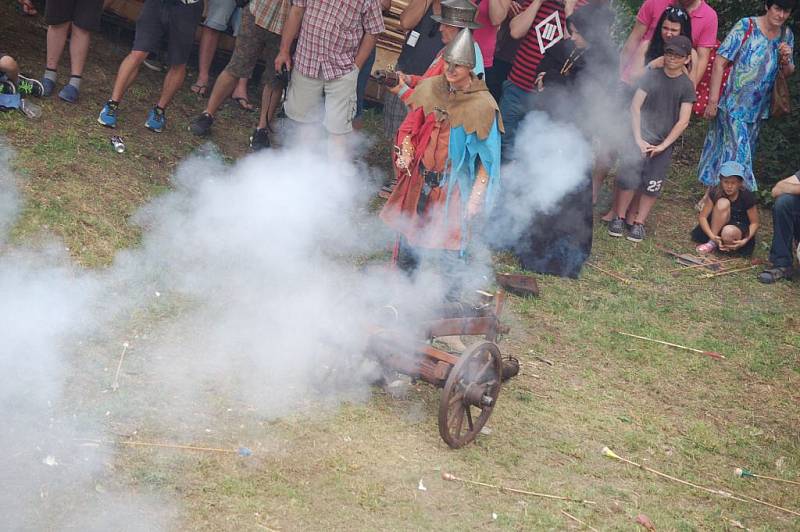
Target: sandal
[(244, 103), (201, 89), (706, 248), (773, 275)]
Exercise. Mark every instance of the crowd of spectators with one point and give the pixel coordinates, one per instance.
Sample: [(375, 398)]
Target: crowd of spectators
[(470, 72)]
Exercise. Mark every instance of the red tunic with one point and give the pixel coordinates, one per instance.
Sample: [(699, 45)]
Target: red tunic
[(435, 227)]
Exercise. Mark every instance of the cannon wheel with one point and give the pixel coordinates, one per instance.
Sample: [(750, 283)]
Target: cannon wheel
[(470, 394)]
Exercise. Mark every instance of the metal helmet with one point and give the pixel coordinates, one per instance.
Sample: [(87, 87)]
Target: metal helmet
[(461, 50), (458, 13)]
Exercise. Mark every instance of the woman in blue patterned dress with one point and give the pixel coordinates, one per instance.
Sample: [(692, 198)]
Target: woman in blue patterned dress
[(758, 47)]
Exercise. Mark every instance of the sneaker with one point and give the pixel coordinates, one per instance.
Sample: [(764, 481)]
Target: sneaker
[(48, 86), (774, 275), (201, 125), (156, 120), (29, 86), (706, 248), (259, 140), (636, 234), (6, 87), (108, 116), (616, 227), (69, 93)]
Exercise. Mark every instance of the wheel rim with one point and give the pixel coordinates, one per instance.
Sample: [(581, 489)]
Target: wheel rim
[(470, 394)]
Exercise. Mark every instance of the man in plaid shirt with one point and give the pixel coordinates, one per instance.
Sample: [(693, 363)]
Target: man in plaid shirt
[(335, 39)]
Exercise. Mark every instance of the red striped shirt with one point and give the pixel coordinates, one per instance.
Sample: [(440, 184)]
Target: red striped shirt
[(547, 29)]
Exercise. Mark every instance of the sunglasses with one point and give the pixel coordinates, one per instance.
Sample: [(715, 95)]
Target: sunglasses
[(677, 12)]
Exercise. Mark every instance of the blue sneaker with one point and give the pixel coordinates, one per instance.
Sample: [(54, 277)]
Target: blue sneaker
[(69, 94), (108, 116), (156, 119), (48, 86)]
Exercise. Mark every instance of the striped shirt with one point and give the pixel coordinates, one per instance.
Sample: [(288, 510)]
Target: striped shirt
[(270, 14), (331, 33), (548, 28)]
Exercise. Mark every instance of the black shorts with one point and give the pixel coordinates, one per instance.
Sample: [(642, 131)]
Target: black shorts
[(170, 19), (83, 13), (645, 174)]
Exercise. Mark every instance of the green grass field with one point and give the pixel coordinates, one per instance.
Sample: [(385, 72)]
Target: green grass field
[(359, 466)]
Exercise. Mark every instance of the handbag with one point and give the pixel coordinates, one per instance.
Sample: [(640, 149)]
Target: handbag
[(704, 86), (781, 98)]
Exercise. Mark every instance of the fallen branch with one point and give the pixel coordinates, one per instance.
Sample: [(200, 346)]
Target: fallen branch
[(448, 476), (712, 354), (610, 274), (726, 494), (115, 384), (578, 520)]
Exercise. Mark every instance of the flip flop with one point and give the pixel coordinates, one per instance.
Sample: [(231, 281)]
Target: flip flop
[(244, 104), (199, 89)]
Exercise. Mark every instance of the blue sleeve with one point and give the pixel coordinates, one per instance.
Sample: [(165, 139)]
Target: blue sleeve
[(733, 42)]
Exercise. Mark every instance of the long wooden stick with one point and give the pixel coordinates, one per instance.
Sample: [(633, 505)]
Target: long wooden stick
[(726, 494), (115, 384), (610, 274), (578, 520), (705, 264), (448, 476), (243, 451), (712, 354), (727, 272), (744, 473)]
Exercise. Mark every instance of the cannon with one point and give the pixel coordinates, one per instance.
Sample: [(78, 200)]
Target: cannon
[(470, 380)]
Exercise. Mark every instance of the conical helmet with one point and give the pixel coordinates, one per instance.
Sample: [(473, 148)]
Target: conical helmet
[(461, 50), (458, 13)]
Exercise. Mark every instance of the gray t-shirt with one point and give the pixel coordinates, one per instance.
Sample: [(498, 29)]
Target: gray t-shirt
[(661, 108)]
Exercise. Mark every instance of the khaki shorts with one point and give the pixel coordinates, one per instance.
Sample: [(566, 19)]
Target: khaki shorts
[(308, 100)]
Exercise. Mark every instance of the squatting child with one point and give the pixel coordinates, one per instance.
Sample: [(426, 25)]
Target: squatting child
[(728, 221), (660, 111)]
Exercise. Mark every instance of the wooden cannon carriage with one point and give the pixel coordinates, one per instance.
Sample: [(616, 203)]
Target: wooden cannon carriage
[(470, 381)]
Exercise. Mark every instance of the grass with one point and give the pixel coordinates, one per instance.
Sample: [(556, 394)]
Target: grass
[(359, 466)]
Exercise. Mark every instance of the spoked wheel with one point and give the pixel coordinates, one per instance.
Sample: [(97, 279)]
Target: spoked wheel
[(470, 394)]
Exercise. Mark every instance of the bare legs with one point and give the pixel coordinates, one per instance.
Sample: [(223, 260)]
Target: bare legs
[(78, 47), (209, 40), (129, 69), (10, 68)]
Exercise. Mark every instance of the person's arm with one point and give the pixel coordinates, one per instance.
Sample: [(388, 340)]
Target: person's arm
[(636, 121), (569, 7), (413, 13), (714, 88), (702, 221), (632, 43), (785, 54), (520, 24), (386, 5), (639, 67), (677, 130), (478, 193), (498, 10), (699, 67), (365, 48), (290, 30), (790, 185)]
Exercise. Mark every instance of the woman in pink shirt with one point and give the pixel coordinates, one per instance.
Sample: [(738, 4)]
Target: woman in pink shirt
[(491, 13)]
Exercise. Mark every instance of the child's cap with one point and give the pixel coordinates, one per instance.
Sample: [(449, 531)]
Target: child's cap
[(731, 169), (680, 44)]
